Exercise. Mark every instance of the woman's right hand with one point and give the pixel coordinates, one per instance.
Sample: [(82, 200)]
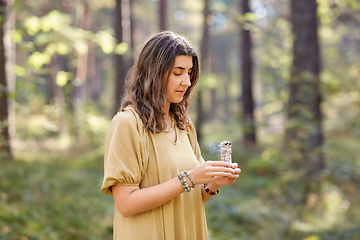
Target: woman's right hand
[(210, 170)]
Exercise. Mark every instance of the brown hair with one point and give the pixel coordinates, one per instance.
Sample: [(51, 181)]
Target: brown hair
[(145, 91)]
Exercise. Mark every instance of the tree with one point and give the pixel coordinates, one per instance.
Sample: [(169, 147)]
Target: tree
[(119, 59), (162, 15), (304, 128), (246, 80), (79, 95), (205, 65), (10, 56), (5, 149)]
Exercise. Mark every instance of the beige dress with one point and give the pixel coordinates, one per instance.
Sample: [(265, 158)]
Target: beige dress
[(135, 156)]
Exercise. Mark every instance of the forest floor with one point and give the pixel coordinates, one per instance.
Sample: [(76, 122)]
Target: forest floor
[(48, 194)]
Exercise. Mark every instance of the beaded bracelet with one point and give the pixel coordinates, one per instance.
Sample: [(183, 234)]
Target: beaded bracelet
[(188, 175), (184, 183), (208, 191), (188, 189)]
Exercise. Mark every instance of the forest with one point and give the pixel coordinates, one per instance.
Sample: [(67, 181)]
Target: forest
[(280, 79)]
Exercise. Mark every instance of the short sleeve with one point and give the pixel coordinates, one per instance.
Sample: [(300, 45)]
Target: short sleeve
[(125, 158), (194, 143)]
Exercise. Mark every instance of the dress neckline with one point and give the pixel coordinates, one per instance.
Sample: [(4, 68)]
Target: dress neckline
[(176, 136)]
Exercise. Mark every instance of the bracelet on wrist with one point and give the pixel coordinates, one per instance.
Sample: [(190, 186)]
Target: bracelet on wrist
[(188, 175), (184, 183), (208, 191)]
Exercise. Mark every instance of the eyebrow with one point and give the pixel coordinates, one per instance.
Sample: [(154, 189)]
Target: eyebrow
[(182, 68)]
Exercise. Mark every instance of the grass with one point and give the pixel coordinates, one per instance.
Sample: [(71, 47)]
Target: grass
[(259, 206), (55, 199), (56, 195)]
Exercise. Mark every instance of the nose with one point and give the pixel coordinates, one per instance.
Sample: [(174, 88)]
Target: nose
[(186, 81)]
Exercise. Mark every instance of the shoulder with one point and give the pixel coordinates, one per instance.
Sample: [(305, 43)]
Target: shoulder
[(126, 116), (126, 119)]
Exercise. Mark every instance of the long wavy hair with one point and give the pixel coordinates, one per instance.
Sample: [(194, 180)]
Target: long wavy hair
[(145, 90)]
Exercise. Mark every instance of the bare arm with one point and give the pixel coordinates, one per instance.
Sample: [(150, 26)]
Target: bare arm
[(131, 200)]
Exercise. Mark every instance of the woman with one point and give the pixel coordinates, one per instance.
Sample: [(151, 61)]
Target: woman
[(153, 165)]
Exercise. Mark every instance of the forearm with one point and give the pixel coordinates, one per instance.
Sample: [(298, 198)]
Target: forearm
[(146, 199)]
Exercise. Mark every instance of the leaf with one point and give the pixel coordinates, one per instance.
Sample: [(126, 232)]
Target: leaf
[(38, 59), (62, 48), (121, 48), (32, 25), (81, 47), (19, 71), (61, 78), (105, 40), (251, 17), (17, 36)]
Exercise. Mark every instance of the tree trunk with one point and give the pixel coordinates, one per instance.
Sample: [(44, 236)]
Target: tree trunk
[(119, 59), (10, 56), (247, 101), (50, 95), (304, 129), (79, 96), (205, 65), (162, 14), (94, 74), (95, 85), (59, 98), (127, 26), (132, 29), (5, 149), (44, 7)]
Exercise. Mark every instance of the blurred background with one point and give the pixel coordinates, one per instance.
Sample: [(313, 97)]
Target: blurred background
[(280, 80)]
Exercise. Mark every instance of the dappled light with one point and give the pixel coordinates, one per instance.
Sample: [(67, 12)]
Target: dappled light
[(285, 95)]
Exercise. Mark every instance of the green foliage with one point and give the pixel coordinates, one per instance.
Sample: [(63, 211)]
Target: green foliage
[(57, 199), (52, 193), (262, 203)]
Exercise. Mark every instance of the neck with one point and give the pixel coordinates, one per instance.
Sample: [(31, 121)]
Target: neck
[(166, 109)]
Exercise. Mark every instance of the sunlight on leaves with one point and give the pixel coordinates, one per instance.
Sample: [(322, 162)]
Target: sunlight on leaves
[(62, 48), (32, 25), (50, 49), (272, 107), (208, 80), (61, 78), (105, 40), (42, 39), (16, 36), (312, 237), (38, 59), (251, 17), (81, 47), (121, 48), (54, 21), (19, 71)]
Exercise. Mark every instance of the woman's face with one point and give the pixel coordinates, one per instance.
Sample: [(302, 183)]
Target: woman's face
[(179, 79)]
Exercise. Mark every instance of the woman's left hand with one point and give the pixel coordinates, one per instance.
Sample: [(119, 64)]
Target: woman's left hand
[(222, 181)]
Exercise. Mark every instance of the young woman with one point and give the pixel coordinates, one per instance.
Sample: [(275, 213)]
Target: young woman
[(153, 165)]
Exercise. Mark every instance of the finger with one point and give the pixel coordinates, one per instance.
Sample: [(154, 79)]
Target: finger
[(237, 170), (222, 169), (234, 165), (219, 174), (219, 163), (234, 176)]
